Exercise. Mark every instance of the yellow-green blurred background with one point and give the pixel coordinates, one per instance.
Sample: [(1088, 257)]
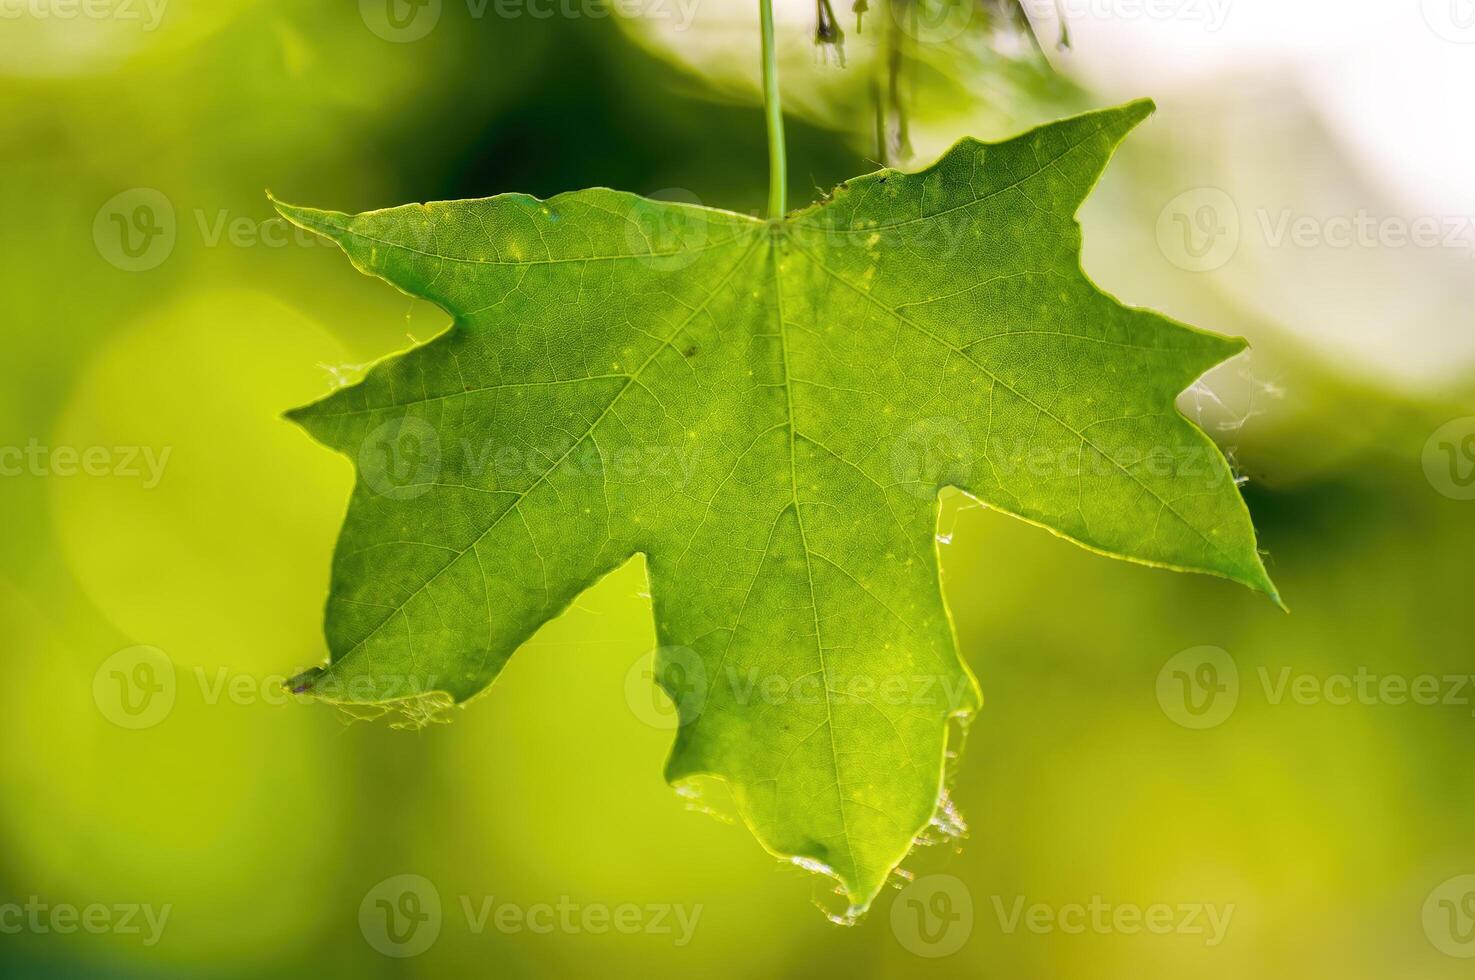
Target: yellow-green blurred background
[(153, 310)]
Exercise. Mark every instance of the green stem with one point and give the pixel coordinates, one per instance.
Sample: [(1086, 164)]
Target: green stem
[(778, 182)]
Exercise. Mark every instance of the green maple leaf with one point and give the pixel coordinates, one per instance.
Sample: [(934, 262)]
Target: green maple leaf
[(766, 411)]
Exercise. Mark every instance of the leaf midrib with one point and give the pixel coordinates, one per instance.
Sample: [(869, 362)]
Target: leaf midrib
[(819, 643)]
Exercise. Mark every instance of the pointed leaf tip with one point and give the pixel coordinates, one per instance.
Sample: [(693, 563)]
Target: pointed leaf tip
[(1129, 115), (329, 224), (1140, 109)]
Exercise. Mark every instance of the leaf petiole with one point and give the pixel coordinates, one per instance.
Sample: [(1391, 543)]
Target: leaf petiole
[(773, 109)]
